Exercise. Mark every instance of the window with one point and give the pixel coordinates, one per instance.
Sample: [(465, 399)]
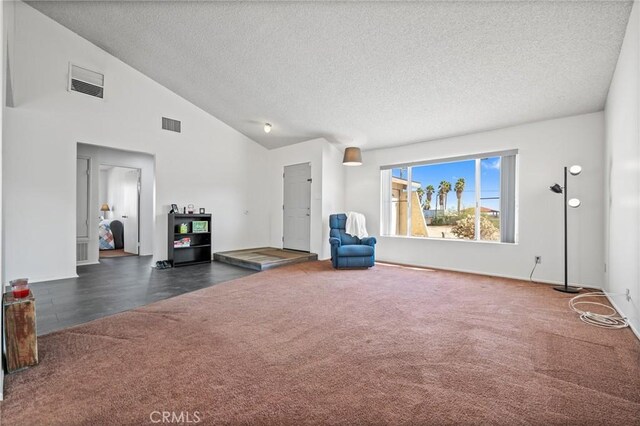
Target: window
[(465, 198)]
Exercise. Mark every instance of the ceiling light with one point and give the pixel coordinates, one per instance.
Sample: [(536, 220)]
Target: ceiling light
[(574, 202), (352, 157), (575, 170), (267, 127)]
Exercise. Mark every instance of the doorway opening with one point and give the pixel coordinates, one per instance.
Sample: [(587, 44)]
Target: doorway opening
[(115, 204), (297, 208), (119, 199)]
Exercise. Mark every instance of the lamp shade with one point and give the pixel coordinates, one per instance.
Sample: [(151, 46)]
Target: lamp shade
[(556, 188), (352, 157), (105, 208), (575, 170)]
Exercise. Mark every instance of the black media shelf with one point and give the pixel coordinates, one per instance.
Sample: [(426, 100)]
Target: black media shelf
[(199, 250)]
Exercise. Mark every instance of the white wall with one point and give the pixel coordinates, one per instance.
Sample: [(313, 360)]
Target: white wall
[(209, 164), (304, 152), (544, 149), (333, 191), (145, 162), (116, 197), (103, 190), (327, 189), (622, 185), (3, 98)]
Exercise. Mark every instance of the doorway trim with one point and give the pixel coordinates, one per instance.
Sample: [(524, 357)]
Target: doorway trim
[(82, 242)]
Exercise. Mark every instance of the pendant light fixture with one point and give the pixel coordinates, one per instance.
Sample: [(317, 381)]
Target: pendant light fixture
[(352, 157)]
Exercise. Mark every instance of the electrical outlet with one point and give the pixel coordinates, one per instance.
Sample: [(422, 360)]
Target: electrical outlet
[(628, 295), (538, 259)]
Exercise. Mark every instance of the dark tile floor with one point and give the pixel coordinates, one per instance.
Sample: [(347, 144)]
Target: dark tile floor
[(119, 284)]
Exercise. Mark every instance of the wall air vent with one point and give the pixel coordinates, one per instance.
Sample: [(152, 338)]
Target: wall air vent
[(171, 124), (82, 251), (82, 80)]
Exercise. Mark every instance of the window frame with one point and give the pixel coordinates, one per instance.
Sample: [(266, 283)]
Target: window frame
[(478, 157)]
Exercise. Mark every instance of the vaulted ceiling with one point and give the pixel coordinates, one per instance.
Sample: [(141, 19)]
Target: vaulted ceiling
[(373, 74)]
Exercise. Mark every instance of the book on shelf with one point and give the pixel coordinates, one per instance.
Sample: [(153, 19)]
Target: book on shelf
[(182, 242)]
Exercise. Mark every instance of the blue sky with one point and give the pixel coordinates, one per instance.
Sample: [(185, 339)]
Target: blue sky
[(489, 178)]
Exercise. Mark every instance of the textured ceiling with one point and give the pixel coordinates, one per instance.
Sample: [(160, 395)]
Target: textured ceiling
[(371, 74)]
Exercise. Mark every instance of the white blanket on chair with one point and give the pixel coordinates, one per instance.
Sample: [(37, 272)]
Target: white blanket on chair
[(356, 225)]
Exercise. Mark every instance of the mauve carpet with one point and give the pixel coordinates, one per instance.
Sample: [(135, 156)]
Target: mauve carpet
[(306, 344)]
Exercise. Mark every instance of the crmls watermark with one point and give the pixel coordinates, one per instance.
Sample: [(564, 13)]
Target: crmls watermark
[(175, 417)]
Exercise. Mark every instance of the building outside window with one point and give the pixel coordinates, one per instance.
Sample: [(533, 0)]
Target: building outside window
[(464, 198)]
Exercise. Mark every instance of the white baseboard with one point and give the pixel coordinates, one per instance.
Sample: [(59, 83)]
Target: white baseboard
[(466, 271), (97, 262), (546, 282), (631, 326), (39, 280)]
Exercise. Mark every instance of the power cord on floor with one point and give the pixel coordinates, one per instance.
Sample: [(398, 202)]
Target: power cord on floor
[(531, 274), (536, 282), (611, 320)]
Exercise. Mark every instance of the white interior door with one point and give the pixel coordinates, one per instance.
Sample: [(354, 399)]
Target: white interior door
[(131, 194), (297, 207), (82, 202)]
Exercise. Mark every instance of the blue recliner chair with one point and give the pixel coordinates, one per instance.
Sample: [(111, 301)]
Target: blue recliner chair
[(349, 251)]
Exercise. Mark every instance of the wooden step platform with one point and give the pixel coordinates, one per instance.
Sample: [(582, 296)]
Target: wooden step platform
[(263, 258)]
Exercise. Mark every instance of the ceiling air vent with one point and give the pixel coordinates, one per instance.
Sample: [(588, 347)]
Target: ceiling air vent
[(84, 81), (170, 124)]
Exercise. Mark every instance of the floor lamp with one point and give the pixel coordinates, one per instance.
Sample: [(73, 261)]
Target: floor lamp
[(574, 203)]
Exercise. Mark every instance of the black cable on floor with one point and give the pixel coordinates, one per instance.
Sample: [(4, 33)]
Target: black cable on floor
[(535, 265)]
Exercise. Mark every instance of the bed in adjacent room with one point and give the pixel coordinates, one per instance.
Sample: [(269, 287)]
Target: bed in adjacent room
[(110, 236)]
